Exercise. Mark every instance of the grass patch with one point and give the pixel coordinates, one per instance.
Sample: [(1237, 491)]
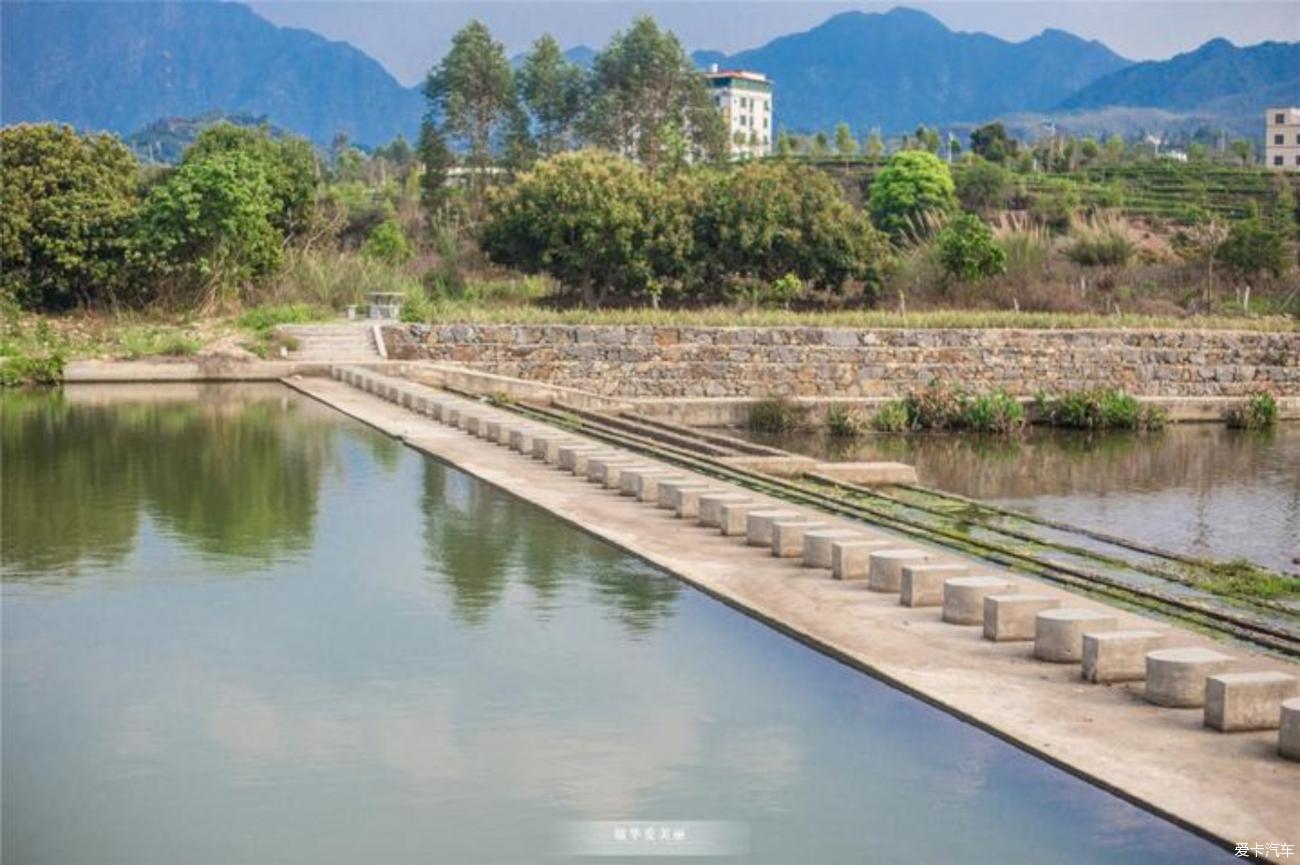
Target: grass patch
[(1259, 412), (261, 319), (774, 415), (1097, 409), (845, 422), (1240, 578)]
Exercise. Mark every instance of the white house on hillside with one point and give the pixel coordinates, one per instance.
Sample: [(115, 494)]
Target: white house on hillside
[(745, 100), (1282, 138)]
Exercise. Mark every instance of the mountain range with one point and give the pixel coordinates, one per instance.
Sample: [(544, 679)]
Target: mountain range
[(121, 66)]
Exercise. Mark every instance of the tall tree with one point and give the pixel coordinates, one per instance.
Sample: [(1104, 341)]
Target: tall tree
[(438, 161), (642, 84), (845, 144), (472, 92), (552, 89)]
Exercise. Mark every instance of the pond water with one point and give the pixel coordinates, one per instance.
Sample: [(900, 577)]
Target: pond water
[(239, 627), (1201, 489)]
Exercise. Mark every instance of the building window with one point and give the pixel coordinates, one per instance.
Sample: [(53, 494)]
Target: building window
[(1277, 160), (1297, 139), (1279, 139), (1297, 160), (1279, 119)]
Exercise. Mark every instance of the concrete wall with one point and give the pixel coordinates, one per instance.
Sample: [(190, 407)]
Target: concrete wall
[(645, 361)]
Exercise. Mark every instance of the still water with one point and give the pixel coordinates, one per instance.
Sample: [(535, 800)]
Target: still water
[(239, 627), (1195, 488)]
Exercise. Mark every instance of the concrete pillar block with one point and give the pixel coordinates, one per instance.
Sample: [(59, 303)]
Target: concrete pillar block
[(851, 560), (493, 433), (470, 423), (551, 448), (734, 519), (667, 497), (710, 507), (1176, 677), (451, 415), (647, 485), (406, 399), (1236, 702), (758, 525), (922, 585), (1058, 633), (817, 545), (787, 537), (573, 457), (688, 500), (963, 598), (599, 469), (521, 439), (629, 480), (613, 479), (1118, 656), (1012, 617), (885, 567), (1288, 735)]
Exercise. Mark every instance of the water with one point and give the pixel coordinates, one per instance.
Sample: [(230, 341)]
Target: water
[(239, 627), (1201, 489)]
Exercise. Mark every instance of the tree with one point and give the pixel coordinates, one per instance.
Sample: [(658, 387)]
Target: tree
[(875, 144), (552, 89), (982, 185), (586, 218), (845, 144), (968, 251), (1243, 149), (1114, 149), (785, 145), (1254, 247), (387, 243), (992, 142), (472, 92), (66, 222), (912, 185), (438, 161), (820, 147), (643, 83)]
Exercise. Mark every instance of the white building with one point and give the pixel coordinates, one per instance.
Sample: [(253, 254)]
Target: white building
[(1282, 138), (745, 100)]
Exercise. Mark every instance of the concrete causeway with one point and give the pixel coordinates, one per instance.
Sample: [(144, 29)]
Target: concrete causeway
[(1232, 787)]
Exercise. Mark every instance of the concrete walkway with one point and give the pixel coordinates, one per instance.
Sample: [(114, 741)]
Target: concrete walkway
[(1231, 787)]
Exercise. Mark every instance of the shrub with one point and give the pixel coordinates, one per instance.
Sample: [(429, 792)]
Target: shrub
[(266, 318), (1100, 408), (1101, 243), (983, 185), (1028, 251), (940, 405), (387, 243), (774, 415), (846, 422), (1259, 412), (912, 184), (37, 370), (968, 251), (893, 416), (996, 412), (1254, 247)]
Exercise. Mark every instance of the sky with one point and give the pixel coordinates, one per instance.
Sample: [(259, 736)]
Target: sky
[(408, 36)]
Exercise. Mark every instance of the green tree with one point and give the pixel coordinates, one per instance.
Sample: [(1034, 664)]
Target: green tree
[(288, 163), (968, 251), (785, 145), (1114, 149), (1244, 150), (875, 144), (552, 89), (387, 243), (912, 185), (1254, 247), (992, 142), (642, 84), (821, 146), (845, 144), (472, 92), (69, 202), (586, 218), (982, 185), (438, 161)]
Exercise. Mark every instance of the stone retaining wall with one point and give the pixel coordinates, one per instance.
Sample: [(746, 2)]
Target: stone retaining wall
[(646, 361)]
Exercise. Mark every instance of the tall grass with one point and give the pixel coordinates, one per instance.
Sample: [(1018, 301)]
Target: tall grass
[(1028, 248), (336, 280), (1101, 241)]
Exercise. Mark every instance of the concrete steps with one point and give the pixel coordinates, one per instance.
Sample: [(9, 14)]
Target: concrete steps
[(331, 342)]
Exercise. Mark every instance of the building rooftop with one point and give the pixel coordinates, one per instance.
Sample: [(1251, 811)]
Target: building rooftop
[(714, 72)]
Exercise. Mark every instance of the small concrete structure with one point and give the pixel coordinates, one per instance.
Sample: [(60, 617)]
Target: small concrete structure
[(710, 507), (647, 484), (922, 585), (787, 537), (679, 496), (688, 500), (629, 480), (851, 560), (963, 598), (521, 439), (1009, 618), (758, 525), (1176, 677), (1118, 656), (817, 545), (573, 457), (734, 516), (606, 470), (869, 474), (1247, 701), (1058, 633), (885, 567), (1288, 735)]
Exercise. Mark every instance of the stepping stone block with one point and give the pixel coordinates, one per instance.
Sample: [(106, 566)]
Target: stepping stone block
[(629, 480), (922, 585), (1058, 634), (493, 433), (573, 458), (1009, 618), (1176, 677), (963, 598), (688, 500), (758, 525), (787, 537), (671, 494), (521, 439), (710, 507), (851, 560), (734, 518), (817, 545), (1288, 734), (1118, 656), (647, 486), (1247, 701), (451, 416), (885, 567), (605, 470)]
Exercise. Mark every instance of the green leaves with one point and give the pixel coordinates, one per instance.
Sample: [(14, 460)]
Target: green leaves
[(911, 186), (968, 250)]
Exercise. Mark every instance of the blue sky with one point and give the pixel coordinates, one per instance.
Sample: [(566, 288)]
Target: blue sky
[(407, 36)]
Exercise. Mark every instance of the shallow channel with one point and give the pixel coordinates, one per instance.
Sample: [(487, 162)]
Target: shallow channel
[(240, 627)]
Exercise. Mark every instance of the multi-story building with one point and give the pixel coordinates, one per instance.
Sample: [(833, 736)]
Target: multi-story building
[(1282, 138), (745, 100)]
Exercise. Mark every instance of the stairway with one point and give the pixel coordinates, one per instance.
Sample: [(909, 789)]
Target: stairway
[(331, 342)]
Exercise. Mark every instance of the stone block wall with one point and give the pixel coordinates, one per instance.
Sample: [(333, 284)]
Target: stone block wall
[(648, 361)]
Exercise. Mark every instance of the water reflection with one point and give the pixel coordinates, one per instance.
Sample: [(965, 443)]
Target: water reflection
[(1196, 487)]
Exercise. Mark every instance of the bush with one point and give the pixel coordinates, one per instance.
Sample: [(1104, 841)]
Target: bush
[(69, 204), (941, 405), (913, 184), (983, 185), (35, 370), (1104, 243), (1254, 247), (263, 319), (1259, 412), (995, 412), (1100, 408), (774, 415), (846, 422), (968, 251), (893, 417), (387, 243)]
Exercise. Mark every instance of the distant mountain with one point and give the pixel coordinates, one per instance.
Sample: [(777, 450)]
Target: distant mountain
[(1218, 77), (903, 67), (164, 141), (121, 65)]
